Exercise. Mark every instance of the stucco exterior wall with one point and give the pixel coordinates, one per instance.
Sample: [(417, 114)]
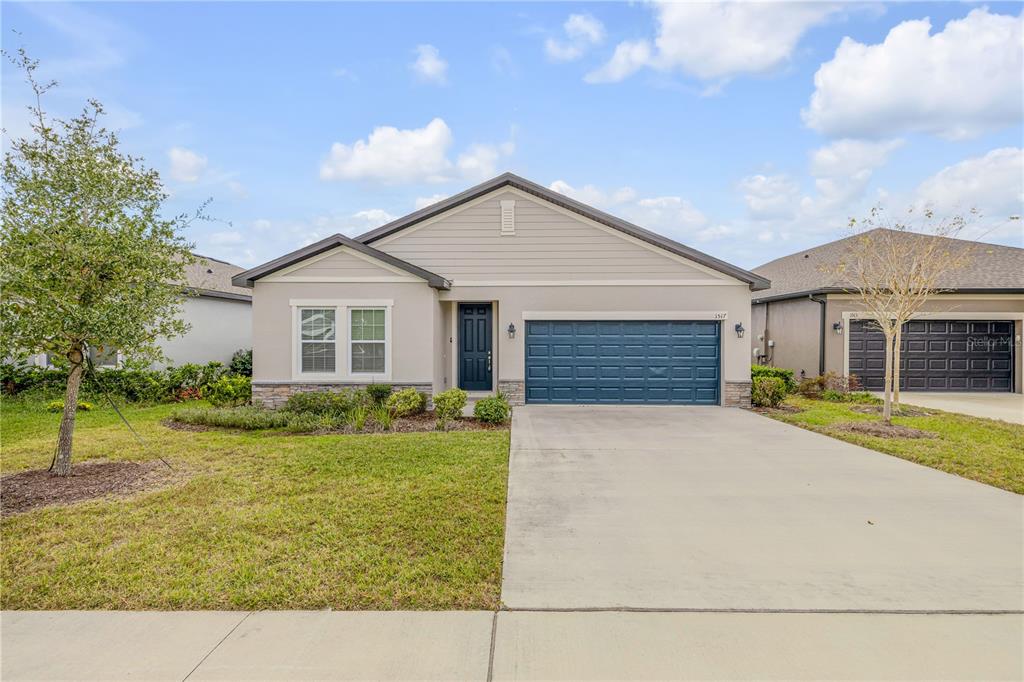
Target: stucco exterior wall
[(794, 327), (950, 306), (219, 328), (413, 318)]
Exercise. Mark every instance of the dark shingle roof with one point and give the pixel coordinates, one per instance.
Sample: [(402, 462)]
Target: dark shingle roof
[(989, 267)]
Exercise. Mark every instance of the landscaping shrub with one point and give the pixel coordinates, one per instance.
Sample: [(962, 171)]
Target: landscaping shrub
[(861, 397), (321, 403), (829, 383), (778, 372), (58, 406), (356, 417), (382, 417), (229, 391), (768, 391), (406, 402), (307, 423), (493, 410), (378, 393), (241, 363), (448, 405), (247, 418)]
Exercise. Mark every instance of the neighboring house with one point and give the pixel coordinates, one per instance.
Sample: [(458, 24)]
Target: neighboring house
[(967, 338), (507, 286), (220, 315)]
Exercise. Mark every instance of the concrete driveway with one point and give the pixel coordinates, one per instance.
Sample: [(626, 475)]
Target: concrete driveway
[(1006, 406), (711, 508)]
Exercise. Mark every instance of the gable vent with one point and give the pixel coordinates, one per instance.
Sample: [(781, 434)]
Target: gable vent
[(508, 217)]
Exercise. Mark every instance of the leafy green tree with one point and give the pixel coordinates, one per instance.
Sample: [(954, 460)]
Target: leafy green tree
[(86, 260)]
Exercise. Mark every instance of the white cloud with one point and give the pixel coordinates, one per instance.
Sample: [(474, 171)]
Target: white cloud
[(374, 216), (238, 189), (770, 197), (429, 67), (226, 237), (582, 31), (390, 155), (672, 216), (423, 202), (842, 171), (262, 225), (957, 83), (717, 40), (186, 165), (993, 183)]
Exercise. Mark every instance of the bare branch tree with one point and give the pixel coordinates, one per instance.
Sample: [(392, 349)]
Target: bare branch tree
[(894, 267)]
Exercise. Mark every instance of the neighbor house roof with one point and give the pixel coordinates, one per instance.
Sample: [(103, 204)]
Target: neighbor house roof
[(212, 278), (247, 278), (755, 281), (989, 268)]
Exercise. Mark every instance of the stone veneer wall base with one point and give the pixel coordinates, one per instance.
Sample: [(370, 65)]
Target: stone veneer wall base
[(737, 394), (274, 395), (514, 391)]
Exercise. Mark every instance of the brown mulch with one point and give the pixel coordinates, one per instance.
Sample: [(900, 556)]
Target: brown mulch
[(28, 490), (787, 409), (882, 430), (182, 426)]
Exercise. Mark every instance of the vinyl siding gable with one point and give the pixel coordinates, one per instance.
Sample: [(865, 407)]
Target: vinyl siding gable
[(341, 265), (467, 246)]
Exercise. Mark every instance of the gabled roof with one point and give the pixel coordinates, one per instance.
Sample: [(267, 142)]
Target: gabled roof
[(211, 278), (247, 278), (755, 281), (990, 268)]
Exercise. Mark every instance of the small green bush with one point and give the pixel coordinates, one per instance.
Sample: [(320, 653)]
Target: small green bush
[(778, 372), (863, 397), (241, 363), (833, 396), (58, 406), (356, 417), (493, 410), (406, 402), (321, 403), (378, 393), (448, 405), (382, 417), (229, 391), (768, 391), (308, 423), (246, 418)]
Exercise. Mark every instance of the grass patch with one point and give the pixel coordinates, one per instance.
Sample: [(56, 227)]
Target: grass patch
[(263, 520), (984, 450)]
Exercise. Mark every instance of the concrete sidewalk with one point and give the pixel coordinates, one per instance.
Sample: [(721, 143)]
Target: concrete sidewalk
[(1006, 406), (326, 645)]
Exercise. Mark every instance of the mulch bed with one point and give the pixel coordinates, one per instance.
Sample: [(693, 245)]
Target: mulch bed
[(28, 490), (881, 430), (786, 409), (183, 426)]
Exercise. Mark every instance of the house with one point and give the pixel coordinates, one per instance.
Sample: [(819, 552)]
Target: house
[(967, 338), (219, 313), (507, 286)]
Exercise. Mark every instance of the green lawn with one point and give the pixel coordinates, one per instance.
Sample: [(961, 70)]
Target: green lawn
[(261, 520), (984, 450)]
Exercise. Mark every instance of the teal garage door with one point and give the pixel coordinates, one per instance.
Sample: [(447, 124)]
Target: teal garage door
[(622, 362)]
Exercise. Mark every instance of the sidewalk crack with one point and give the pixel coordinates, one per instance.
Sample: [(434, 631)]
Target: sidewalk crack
[(216, 646)]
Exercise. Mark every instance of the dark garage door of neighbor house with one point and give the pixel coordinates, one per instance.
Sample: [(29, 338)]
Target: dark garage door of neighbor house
[(938, 355), (622, 362)]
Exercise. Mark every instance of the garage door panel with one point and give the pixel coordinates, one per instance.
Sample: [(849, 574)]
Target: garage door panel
[(622, 362), (938, 355)]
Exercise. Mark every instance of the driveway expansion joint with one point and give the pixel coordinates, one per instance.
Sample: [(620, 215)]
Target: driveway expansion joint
[(217, 645)]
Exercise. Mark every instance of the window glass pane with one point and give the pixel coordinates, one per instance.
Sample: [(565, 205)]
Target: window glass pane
[(318, 357), (368, 358), (318, 324), (368, 325)]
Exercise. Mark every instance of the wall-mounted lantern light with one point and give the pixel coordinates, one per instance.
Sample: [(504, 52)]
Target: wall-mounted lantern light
[(837, 327), (740, 330), (511, 331)]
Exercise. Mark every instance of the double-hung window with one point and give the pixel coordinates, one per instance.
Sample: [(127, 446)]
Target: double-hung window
[(318, 347), (367, 341)]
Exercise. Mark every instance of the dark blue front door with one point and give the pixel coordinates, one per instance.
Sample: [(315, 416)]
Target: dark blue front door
[(475, 346), (622, 362)]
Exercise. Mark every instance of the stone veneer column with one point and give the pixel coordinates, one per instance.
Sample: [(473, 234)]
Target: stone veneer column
[(737, 394), (514, 391)]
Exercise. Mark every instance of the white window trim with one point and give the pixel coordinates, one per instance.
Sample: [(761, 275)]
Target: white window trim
[(342, 364)]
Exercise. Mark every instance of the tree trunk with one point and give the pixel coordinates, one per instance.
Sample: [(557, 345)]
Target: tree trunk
[(887, 386), (896, 369), (62, 462)]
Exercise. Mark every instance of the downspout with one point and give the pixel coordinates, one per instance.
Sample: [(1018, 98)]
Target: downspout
[(821, 333)]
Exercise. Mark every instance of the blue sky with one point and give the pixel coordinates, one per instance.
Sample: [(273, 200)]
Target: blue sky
[(746, 131)]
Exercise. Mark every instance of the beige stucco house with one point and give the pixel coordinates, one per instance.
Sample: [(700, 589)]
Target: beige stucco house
[(507, 286), (967, 338)]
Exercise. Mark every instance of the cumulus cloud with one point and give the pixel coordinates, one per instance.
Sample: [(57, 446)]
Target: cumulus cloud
[(226, 237), (582, 31), (993, 183), (429, 67), (957, 83), (842, 171), (391, 155), (717, 40), (670, 215), (186, 165), (770, 197), (423, 202)]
